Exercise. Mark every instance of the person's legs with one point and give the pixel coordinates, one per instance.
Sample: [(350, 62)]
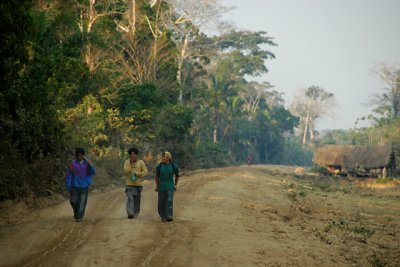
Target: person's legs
[(74, 200), (136, 201), (170, 205), (161, 205), (82, 202), (78, 201), (130, 201)]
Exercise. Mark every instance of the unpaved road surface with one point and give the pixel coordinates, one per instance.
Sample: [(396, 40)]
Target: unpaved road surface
[(236, 216)]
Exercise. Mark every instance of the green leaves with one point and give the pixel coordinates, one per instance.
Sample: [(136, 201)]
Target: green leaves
[(243, 53), (105, 76), (173, 124)]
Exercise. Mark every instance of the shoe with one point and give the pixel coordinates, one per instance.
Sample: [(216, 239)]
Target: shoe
[(130, 216), (170, 219), (78, 220)]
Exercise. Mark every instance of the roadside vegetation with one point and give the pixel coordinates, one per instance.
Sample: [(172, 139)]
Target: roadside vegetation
[(110, 74), (353, 212)]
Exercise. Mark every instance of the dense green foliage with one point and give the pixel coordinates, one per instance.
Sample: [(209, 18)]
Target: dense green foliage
[(103, 78)]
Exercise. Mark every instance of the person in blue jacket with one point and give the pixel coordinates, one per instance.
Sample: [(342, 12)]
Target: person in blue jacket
[(78, 179)]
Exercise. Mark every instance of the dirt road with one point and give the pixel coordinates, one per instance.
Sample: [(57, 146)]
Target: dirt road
[(237, 216)]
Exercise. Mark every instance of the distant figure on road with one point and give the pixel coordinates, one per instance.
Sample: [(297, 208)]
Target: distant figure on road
[(166, 185), (135, 170), (78, 179), (249, 160)]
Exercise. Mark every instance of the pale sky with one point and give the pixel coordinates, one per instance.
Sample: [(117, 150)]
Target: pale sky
[(333, 44)]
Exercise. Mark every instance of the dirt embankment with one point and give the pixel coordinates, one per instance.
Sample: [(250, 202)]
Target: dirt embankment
[(237, 216)]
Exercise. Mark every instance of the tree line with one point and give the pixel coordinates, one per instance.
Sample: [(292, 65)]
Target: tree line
[(110, 74), (384, 120)]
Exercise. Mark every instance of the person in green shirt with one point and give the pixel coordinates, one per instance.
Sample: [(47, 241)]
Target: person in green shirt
[(166, 185), (135, 170)]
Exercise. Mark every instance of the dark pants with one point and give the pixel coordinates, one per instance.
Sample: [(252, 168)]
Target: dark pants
[(133, 203), (78, 200), (165, 204)]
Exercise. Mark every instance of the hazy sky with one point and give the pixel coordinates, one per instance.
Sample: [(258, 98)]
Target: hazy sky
[(330, 43)]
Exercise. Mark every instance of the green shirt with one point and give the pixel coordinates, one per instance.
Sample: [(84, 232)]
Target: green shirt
[(165, 173)]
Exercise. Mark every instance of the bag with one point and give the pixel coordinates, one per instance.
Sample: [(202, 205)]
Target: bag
[(133, 177)]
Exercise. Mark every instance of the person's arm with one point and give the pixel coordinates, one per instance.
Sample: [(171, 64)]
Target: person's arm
[(143, 170), (88, 161), (127, 167), (68, 178), (176, 172), (91, 168), (157, 177), (176, 181)]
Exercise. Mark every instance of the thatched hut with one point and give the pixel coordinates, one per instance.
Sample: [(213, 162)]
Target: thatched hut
[(357, 159)]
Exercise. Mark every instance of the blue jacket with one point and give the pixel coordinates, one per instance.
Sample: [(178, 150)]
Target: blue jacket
[(79, 174)]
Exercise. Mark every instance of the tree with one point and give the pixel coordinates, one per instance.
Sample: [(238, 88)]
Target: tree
[(31, 133), (16, 102), (251, 94), (16, 32), (388, 103), (185, 18), (145, 55), (310, 105), (97, 20), (240, 54)]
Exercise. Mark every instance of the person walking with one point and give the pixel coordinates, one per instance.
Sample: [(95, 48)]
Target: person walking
[(135, 170), (166, 185), (249, 160), (78, 179)]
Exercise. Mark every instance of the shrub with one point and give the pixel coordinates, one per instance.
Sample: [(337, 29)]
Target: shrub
[(210, 155)]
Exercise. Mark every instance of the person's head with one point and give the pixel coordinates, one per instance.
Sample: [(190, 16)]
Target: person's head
[(166, 157), (79, 153), (133, 152)]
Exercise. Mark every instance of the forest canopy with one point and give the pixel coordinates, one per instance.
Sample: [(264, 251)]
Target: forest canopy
[(111, 74)]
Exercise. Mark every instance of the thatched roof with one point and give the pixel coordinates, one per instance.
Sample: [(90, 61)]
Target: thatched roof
[(353, 156)]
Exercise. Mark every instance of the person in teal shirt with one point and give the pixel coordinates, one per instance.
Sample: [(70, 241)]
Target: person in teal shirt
[(166, 186)]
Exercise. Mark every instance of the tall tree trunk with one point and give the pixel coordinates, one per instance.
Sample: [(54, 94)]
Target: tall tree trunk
[(306, 127), (132, 17), (180, 65), (92, 15), (130, 29), (215, 122), (89, 56), (311, 131), (89, 59), (396, 104)]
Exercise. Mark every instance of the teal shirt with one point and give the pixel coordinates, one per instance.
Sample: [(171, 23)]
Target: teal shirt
[(165, 173)]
